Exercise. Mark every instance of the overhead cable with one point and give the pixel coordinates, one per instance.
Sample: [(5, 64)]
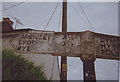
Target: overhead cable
[(52, 69), (51, 17), (79, 15), (85, 15), (60, 19), (115, 66), (59, 22), (13, 6)]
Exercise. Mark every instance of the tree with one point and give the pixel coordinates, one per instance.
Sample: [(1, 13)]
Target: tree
[(15, 67)]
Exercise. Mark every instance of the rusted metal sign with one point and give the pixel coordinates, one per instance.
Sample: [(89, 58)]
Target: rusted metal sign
[(71, 44)]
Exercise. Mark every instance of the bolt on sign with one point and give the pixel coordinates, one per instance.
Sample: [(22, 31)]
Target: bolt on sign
[(71, 44)]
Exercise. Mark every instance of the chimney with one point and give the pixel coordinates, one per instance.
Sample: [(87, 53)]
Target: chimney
[(7, 25)]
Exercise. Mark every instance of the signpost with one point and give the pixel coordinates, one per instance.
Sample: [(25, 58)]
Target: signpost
[(87, 45), (72, 44)]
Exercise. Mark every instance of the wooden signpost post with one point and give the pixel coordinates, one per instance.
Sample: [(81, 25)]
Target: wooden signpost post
[(63, 75)]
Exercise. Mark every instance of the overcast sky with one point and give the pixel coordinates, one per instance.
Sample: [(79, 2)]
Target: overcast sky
[(102, 15)]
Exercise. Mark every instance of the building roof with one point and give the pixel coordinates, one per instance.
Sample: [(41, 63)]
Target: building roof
[(6, 26)]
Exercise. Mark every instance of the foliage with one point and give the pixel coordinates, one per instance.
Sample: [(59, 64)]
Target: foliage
[(15, 67)]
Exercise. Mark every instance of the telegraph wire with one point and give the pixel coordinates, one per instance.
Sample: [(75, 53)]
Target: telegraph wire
[(52, 69), (59, 19), (43, 31), (58, 66), (115, 65), (59, 22), (13, 6), (92, 26), (51, 17), (78, 14), (85, 15)]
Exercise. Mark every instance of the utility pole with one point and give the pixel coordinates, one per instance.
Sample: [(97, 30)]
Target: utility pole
[(64, 30)]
